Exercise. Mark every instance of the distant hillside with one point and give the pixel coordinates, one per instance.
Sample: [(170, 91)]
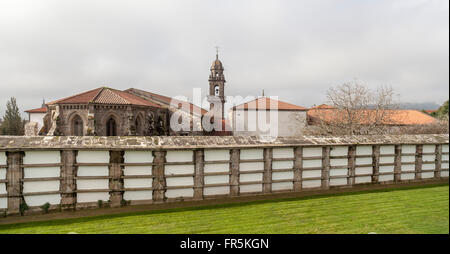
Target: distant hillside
[(420, 106)]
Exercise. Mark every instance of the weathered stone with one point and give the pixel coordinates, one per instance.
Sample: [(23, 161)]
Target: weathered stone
[(234, 172), (298, 166), (199, 174), (326, 167), (14, 175), (68, 182), (159, 180), (267, 175), (115, 180)]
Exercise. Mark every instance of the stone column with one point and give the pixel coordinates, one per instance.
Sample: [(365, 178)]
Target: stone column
[(14, 175), (351, 165), (398, 163), (375, 163), (438, 160), (267, 175), (199, 181), (298, 166), (325, 167), (418, 162), (159, 180), (234, 170), (115, 180), (68, 182)]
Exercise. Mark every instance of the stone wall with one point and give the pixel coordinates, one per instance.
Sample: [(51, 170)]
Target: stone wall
[(80, 172)]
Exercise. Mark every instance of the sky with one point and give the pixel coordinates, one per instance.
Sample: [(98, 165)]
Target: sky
[(295, 50)]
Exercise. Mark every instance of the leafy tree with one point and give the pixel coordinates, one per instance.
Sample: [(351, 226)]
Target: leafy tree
[(442, 112), (12, 122)]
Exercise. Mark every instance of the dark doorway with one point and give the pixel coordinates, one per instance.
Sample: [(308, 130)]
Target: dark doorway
[(111, 127), (138, 126), (77, 126)]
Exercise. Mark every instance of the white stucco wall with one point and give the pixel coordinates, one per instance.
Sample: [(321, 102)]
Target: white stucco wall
[(38, 118)]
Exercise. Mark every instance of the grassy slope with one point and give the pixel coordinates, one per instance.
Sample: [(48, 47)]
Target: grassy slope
[(413, 210)]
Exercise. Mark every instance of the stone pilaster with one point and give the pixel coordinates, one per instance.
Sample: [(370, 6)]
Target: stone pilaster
[(375, 163), (14, 175), (298, 166), (351, 165), (438, 162), (267, 175), (234, 172), (325, 167), (68, 182), (115, 180), (159, 180), (418, 162), (398, 163), (199, 181)]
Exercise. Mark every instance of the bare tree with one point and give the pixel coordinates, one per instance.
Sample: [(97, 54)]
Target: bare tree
[(356, 110)]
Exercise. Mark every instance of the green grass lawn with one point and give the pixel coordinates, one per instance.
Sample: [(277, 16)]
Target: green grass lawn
[(408, 210)]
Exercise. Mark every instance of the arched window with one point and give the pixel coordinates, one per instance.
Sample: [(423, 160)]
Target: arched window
[(138, 126), (216, 90), (111, 127), (77, 126)]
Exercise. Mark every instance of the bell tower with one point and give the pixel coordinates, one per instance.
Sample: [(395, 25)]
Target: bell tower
[(217, 85)]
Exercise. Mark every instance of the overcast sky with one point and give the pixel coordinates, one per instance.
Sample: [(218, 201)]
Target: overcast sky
[(295, 50)]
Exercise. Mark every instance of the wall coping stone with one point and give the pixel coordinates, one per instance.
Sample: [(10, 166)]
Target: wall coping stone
[(23, 143)]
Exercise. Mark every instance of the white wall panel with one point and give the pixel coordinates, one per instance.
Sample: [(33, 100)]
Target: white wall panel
[(180, 181), (282, 186), (138, 157), (41, 172), (137, 182), (364, 150), (3, 203), (339, 151), (409, 176), (389, 159), (91, 184), (252, 154), (282, 175), (312, 151), (311, 173), (363, 170), (39, 200), (217, 179), (311, 184), (223, 190), (250, 177), (444, 165), (250, 166), (3, 160), (408, 148), (387, 149), (444, 174), (383, 178), (176, 193), (444, 149), (427, 175), (338, 181), (429, 149), (29, 187), (283, 153), (93, 171), (213, 168), (137, 195), (41, 157), (3, 188), (2, 173), (444, 157), (312, 163), (409, 167), (338, 172), (179, 156), (385, 169), (137, 170), (428, 158), (282, 164), (178, 169), (408, 158), (93, 157), (216, 155), (363, 161), (92, 197), (363, 179), (338, 162), (428, 166), (251, 188)]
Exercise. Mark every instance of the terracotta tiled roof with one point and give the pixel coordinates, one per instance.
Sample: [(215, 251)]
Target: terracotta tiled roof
[(163, 100), (37, 110), (323, 106), (264, 102), (393, 117), (105, 95)]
